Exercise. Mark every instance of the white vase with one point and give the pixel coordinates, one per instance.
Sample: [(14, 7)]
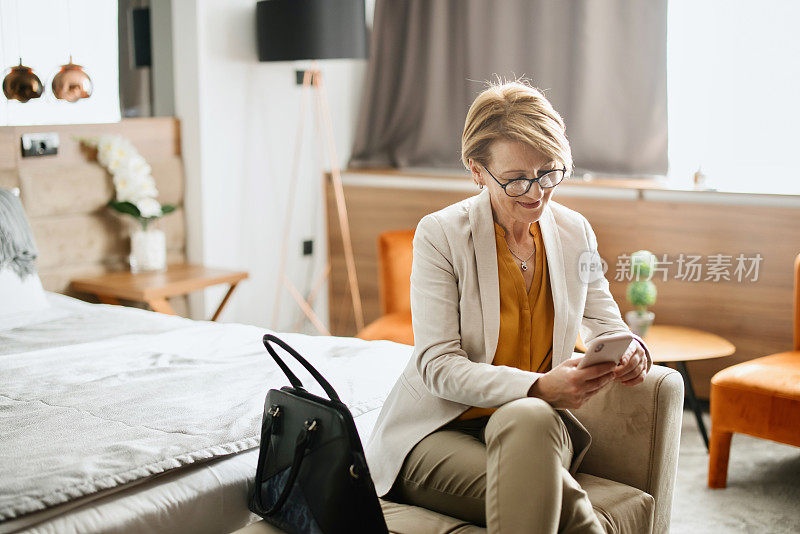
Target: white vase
[(148, 250), (639, 323)]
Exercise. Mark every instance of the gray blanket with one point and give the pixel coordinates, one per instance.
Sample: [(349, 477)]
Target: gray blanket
[(103, 396), (17, 249)]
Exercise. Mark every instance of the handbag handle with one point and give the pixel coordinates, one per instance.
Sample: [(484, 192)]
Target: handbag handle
[(288, 372), (302, 445)]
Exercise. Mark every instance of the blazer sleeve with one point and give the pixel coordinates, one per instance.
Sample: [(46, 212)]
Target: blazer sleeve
[(444, 366), (601, 314)]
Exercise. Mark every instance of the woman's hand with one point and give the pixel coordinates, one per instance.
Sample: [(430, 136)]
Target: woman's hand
[(567, 386), (632, 366)]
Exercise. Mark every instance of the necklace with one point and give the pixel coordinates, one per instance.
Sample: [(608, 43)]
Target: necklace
[(523, 263)]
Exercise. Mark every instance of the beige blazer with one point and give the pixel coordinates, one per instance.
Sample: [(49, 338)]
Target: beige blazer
[(455, 306)]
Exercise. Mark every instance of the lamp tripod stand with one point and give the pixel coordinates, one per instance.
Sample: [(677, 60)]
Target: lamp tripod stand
[(312, 78)]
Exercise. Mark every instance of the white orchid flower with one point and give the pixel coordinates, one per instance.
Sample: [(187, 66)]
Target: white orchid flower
[(113, 151), (132, 177), (149, 207), (134, 164), (133, 187)]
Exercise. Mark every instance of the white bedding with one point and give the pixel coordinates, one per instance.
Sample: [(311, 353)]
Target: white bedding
[(98, 399)]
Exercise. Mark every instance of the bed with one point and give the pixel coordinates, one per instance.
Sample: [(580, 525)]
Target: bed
[(118, 419)]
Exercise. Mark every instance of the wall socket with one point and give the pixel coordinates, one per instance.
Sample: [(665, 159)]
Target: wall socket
[(39, 144), (308, 247)]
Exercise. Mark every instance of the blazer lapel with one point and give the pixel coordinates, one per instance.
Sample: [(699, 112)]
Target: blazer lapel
[(558, 282), (482, 225)]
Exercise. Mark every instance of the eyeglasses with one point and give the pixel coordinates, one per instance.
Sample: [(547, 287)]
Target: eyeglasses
[(519, 186)]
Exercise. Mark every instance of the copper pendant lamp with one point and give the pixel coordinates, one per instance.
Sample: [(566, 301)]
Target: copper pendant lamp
[(71, 83), (22, 84)]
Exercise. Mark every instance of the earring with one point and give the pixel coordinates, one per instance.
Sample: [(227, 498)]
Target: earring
[(480, 186)]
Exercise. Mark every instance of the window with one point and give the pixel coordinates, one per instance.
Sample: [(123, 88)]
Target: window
[(734, 94)]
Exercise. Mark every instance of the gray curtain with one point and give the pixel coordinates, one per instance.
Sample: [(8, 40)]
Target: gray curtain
[(602, 63)]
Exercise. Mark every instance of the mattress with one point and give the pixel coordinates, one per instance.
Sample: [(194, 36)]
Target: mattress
[(122, 420)]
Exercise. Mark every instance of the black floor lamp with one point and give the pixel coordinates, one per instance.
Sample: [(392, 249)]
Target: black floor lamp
[(292, 30)]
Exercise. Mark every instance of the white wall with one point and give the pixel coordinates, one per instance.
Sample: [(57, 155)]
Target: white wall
[(44, 33), (239, 120)]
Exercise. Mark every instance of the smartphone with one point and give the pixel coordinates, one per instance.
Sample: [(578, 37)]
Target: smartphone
[(604, 349)]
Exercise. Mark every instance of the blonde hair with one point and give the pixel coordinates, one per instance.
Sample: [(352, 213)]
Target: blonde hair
[(516, 111)]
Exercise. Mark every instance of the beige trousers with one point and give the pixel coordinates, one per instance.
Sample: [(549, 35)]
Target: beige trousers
[(508, 472)]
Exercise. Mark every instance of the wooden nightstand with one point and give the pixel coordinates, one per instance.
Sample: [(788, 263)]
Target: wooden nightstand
[(155, 288)]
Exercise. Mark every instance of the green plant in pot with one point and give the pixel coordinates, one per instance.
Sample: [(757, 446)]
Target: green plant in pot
[(641, 292)]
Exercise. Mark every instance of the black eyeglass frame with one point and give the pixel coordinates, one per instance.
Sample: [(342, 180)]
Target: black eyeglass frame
[(529, 180)]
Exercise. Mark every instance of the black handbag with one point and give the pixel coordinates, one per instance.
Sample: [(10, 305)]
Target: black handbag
[(312, 476)]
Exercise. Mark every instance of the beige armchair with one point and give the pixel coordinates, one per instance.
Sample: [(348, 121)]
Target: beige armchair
[(636, 435), (628, 472)]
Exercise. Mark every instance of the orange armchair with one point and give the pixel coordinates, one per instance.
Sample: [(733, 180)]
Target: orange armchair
[(394, 289), (760, 397)]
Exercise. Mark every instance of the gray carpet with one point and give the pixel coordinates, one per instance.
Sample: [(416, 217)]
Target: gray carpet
[(763, 493)]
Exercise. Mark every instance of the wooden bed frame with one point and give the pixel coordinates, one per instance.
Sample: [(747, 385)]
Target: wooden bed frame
[(65, 198)]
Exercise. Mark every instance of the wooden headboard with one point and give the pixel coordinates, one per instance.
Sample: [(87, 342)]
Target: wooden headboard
[(65, 196)]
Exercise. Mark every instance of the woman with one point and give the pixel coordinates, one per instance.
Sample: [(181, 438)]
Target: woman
[(477, 426)]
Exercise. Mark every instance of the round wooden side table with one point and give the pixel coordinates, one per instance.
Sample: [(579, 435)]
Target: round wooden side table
[(680, 344)]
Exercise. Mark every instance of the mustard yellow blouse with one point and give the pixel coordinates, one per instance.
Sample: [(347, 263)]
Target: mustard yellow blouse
[(526, 319)]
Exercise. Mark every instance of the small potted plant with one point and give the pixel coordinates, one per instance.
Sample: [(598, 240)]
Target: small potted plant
[(135, 195), (641, 292)]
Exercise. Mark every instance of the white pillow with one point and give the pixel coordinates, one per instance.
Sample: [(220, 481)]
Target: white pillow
[(18, 295)]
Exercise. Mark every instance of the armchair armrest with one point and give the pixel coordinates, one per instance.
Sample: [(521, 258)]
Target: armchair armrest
[(636, 436)]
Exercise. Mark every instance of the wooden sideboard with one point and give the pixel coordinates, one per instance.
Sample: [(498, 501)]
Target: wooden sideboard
[(626, 216)]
